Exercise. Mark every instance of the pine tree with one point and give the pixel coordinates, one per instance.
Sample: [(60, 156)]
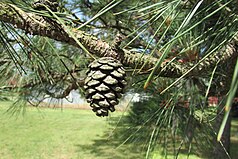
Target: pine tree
[(48, 45)]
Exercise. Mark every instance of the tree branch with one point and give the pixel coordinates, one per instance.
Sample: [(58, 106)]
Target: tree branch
[(71, 85), (38, 25)]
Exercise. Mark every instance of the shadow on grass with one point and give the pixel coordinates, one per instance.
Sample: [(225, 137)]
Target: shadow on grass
[(234, 138), (234, 152), (111, 148), (120, 144), (110, 144)]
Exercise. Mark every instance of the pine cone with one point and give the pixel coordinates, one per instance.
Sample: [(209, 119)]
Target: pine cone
[(104, 84)]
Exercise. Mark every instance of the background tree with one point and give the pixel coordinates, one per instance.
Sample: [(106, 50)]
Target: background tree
[(192, 43)]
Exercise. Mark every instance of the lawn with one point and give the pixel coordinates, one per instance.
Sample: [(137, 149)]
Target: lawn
[(55, 133), (64, 134)]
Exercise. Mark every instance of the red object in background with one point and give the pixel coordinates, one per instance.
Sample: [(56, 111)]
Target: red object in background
[(235, 99), (212, 101)]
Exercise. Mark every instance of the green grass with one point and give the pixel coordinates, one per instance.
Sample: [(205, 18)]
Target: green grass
[(66, 134), (54, 133)]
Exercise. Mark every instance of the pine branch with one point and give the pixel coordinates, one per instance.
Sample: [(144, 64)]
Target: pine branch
[(71, 85), (38, 25)]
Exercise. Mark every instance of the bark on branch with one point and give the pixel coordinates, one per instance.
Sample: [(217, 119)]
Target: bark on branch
[(38, 25)]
